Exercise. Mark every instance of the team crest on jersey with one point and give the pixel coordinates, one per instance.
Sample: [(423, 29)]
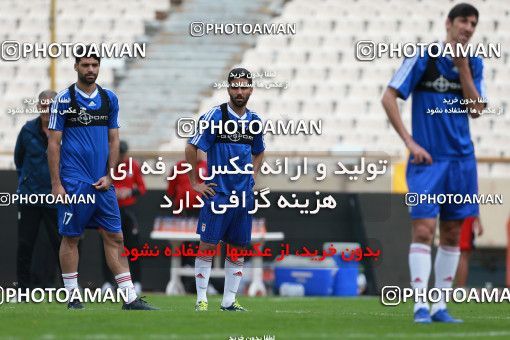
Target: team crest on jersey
[(441, 84), (235, 137), (203, 226), (84, 117)]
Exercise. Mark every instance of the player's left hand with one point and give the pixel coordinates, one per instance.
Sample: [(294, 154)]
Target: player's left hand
[(123, 193), (460, 62), (477, 227), (103, 183)]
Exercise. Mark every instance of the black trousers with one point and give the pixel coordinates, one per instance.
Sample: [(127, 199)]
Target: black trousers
[(29, 220), (131, 240)]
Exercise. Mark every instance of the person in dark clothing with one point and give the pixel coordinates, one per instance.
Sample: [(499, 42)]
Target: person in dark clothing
[(31, 163), (176, 190), (180, 185)]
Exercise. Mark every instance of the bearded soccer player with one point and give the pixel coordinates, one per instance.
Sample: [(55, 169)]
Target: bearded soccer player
[(233, 226), (83, 146), (442, 159)]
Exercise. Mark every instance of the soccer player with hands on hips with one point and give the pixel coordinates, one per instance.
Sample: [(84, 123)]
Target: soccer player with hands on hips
[(234, 225)]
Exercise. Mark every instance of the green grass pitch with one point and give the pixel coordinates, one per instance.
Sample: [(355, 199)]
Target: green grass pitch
[(283, 318)]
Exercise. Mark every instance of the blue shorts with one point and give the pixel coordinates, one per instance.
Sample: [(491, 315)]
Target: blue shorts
[(443, 177), (233, 226), (74, 218)]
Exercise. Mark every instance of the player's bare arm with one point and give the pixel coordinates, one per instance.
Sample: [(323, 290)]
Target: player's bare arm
[(389, 102), (113, 142), (477, 226), (469, 90), (192, 159), (257, 163), (54, 140)]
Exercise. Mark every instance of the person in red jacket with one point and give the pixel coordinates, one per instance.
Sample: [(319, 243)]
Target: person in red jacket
[(471, 227), (178, 187), (128, 190)]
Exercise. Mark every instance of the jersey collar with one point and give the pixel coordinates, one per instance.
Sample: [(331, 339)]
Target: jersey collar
[(84, 95), (243, 117)]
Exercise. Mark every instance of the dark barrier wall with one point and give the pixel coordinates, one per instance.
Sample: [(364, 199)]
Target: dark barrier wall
[(386, 222), (380, 221)]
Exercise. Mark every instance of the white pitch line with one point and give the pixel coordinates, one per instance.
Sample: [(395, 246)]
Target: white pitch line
[(400, 335), (449, 334), (296, 312)]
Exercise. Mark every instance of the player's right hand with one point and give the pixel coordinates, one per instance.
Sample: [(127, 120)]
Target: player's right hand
[(420, 155), (477, 227), (123, 193), (58, 190), (205, 189)]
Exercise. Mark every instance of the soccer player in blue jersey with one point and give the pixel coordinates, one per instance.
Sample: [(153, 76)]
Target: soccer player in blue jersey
[(233, 226), (442, 159), (82, 147)]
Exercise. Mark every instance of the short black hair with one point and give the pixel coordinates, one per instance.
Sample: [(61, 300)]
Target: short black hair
[(239, 73), (462, 10), (47, 94), (123, 147), (85, 52)]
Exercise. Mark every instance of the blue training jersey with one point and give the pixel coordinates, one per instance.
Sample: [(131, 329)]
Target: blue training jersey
[(220, 153), (432, 81), (85, 149)]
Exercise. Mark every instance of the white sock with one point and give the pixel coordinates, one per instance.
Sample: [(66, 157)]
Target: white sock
[(445, 267), (124, 282), (233, 275), (420, 264), (70, 281), (202, 272)]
